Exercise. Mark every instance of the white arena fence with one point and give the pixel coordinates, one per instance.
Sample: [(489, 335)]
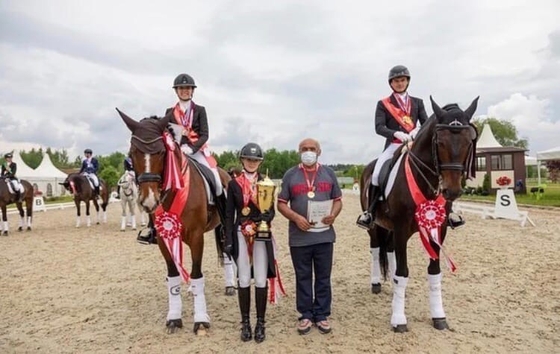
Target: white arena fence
[(40, 205)]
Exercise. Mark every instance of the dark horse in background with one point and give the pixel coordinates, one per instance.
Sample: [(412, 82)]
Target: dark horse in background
[(7, 198), (81, 189), (154, 155), (441, 155)]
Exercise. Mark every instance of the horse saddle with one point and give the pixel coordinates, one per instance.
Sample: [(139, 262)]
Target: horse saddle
[(14, 185), (91, 183), (207, 177)]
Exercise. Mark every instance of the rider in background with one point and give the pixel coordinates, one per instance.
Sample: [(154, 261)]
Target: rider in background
[(9, 169), (128, 168), (90, 167)]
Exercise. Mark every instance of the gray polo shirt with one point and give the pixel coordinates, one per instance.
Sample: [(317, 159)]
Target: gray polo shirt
[(294, 191)]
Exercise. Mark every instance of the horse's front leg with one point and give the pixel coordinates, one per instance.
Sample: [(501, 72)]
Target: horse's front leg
[(174, 321), (78, 212), (21, 216), (400, 281), (437, 312), (29, 211), (201, 318), (88, 222), (96, 205), (123, 214), (4, 220)]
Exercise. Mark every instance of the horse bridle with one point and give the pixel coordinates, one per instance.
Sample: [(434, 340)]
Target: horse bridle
[(148, 176)]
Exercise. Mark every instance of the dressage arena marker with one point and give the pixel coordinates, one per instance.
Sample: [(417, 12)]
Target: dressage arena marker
[(502, 211), (39, 203)]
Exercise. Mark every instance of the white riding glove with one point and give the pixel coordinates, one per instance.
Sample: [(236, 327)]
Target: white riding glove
[(414, 132), (403, 137), (187, 150)]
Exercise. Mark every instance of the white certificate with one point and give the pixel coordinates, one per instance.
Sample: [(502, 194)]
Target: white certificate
[(316, 211)]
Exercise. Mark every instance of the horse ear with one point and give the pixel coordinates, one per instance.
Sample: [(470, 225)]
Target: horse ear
[(437, 110), (130, 123), (163, 122), (472, 108)]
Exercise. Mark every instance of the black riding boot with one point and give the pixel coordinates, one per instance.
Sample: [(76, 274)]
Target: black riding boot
[(221, 207), (455, 220), (150, 236), (260, 302), (244, 296), (18, 196), (97, 192), (365, 220), (118, 196)]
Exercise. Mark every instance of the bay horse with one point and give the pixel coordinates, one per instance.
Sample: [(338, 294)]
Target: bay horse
[(81, 189), (7, 198), (426, 179), (157, 160), (129, 200)]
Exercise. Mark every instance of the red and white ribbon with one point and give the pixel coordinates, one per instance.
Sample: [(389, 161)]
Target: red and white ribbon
[(172, 179), (170, 229)]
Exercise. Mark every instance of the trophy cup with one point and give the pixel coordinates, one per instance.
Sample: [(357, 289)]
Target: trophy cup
[(265, 199)]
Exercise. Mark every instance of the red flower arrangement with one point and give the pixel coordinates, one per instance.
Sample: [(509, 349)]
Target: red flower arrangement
[(503, 181)]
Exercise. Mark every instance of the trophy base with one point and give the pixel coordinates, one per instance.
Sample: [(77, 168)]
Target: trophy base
[(263, 236)]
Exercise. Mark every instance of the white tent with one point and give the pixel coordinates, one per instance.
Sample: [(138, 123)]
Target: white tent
[(546, 155), (487, 138), (49, 177), (23, 171)]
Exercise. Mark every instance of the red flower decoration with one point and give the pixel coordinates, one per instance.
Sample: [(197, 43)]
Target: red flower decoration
[(168, 225), (503, 181), (430, 215)]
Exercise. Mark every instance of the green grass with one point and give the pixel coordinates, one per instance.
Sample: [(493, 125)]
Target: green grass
[(550, 197)]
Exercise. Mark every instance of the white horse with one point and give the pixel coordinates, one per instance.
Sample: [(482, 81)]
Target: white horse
[(129, 195)]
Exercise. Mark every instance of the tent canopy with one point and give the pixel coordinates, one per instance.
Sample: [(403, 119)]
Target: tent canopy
[(48, 170), (550, 154)]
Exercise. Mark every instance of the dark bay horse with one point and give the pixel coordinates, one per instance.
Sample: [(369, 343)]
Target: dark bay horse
[(426, 180), (183, 211), (7, 198), (81, 189)]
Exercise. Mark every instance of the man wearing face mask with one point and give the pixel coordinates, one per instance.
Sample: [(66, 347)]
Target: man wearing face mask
[(311, 248)]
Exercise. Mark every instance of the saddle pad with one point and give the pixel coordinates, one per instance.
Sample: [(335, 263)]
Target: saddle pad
[(207, 177)]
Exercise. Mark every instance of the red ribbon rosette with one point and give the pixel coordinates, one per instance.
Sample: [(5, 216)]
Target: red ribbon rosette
[(430, 215), (168, 225), (249, 230)]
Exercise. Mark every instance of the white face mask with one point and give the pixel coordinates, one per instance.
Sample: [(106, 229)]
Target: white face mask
[(308, 158)]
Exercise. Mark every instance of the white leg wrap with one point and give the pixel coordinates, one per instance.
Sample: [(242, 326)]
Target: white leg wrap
[(197, 288), (229, 272), (399, 289), (175, 303), (77, 221), (6, 228), (436, 303), (22, 222), (29, 221), (392, 264), (123, 223), (88, 221), (375, 269)]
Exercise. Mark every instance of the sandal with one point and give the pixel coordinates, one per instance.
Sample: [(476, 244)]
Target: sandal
[(304, 326), (323, 326)]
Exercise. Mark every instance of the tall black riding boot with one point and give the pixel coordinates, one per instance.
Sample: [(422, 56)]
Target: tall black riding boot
[(221, 207), (118, 192), (244, 296), (365, 220), (151, 236), (18, 196), (260, 302), (97, 193)]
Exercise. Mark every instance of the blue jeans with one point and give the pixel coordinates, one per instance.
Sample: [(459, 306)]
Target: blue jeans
[(308, 261)]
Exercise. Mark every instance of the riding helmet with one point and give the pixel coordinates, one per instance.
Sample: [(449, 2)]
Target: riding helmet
[(251, 151), (184, 80), (398, 71), (88, 151), (8, 155)]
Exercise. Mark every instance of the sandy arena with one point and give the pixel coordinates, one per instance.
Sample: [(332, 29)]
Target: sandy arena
[(95, 290)]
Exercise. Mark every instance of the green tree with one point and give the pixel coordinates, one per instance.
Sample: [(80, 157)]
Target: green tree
[(504, 132), (110, 174), (32, 158)]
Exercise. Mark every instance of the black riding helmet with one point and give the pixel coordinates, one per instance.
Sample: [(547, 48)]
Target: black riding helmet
[(88, 151), (184, 80), (399, 71), (251, 151), (8, 155)]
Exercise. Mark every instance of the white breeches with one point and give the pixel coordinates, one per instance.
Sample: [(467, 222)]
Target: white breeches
[(16, 185), (260, 263), (199, 157), (385, 155), (93, 177)]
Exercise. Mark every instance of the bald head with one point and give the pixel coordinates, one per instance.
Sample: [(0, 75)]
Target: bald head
[(309, 144)]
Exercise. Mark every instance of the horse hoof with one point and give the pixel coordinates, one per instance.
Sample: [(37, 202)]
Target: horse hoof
[(97, 223), (375, 288), (29, 228), (173, 326), (230, 291), (4, 233), (440, 323), (200, 328), (400, 328), (20, 228)]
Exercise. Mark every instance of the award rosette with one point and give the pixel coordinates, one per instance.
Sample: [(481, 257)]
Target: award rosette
[(265, 200), (169, 228)]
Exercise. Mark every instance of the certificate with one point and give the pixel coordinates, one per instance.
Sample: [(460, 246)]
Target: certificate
[(316, 211)]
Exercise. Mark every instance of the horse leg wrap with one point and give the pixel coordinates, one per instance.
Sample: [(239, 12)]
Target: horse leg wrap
[(375, 269), (392, 264), (175, 303), (399, 289), (228, 271), (29, 221), (436, 303), (197, 288), (5, 226), (22, 221)]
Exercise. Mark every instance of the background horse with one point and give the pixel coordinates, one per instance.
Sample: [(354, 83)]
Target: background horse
[(7, 198), (157, 158), (428, 179), (129, 198), (81, 189)]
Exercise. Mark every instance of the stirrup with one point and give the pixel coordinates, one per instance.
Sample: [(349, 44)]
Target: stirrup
[(455, 220), (146, 239), (366, 224)]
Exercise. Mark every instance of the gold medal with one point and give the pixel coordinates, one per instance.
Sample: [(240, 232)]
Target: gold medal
[(245, 211), (407, 120), (311, 194)]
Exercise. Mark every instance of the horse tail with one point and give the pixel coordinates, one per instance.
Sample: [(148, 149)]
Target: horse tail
[(384, 238), (218, 234)]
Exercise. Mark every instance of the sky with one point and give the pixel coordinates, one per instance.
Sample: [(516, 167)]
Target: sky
[(270, 72)]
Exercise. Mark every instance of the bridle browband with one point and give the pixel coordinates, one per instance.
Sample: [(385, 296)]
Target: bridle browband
[(147, 176)]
